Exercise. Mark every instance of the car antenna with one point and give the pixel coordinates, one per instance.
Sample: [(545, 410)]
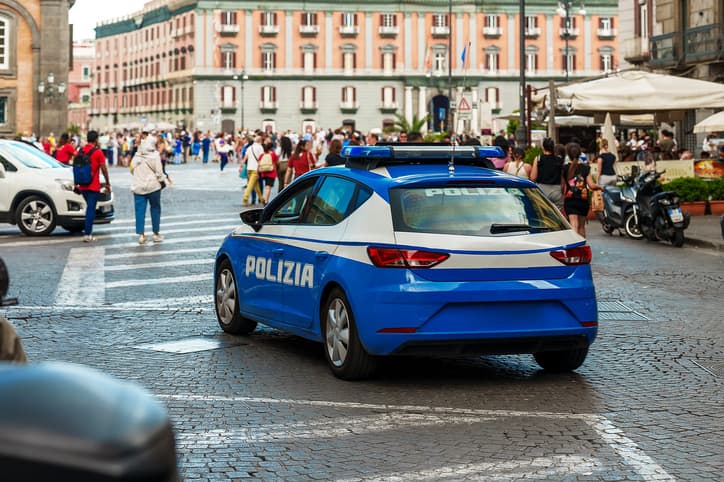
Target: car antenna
[(451, 162)]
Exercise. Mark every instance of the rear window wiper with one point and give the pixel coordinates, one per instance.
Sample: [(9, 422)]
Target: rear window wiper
[(512, 228)]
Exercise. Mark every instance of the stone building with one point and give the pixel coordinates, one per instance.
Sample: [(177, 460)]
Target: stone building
[(34, 56), (301, 65)]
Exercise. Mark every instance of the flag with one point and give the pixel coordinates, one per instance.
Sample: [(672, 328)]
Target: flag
[(465, 54)]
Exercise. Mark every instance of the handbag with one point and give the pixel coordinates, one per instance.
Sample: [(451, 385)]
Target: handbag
[(244, 173), (597, 201)]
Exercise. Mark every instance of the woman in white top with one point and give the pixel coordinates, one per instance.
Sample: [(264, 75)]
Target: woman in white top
[(148, 180), (516, 165)]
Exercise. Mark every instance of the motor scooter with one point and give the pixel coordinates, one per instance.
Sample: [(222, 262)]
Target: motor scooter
[(660, 216), (620, 211)]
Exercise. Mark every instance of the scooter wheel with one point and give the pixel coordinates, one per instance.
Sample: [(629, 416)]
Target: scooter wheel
[(678, 239), (633, 230), (607, 228)]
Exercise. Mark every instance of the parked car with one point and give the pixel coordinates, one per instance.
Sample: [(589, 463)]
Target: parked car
[(36, 192), (411, 251)]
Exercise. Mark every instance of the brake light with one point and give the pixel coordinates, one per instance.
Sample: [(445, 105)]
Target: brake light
[(404, 258), (573, 256)]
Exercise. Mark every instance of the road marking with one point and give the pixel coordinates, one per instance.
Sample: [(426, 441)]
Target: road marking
[(165, 225), (626, 448), (190, 239), (167, 302), (554, 467), (159, 281), (160, 264), (82, 281), (132, 221), (109, 308), (159, 252)]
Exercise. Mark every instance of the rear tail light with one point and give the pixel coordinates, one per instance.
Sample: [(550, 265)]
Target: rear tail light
[(573, 256), (404, 258)]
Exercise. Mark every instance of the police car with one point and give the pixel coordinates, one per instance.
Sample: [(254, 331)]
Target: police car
[(411, 250)]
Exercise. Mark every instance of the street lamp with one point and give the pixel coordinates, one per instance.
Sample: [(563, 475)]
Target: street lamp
[(520, 132), (564, 10), (50, 90), (243, 77)]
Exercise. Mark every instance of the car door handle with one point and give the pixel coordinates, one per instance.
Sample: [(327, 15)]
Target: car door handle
[(321, 255), (278, 251)]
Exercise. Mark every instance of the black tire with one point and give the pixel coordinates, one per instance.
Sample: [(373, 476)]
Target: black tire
[(633, 230), (347, 359), (607, 228), (36, 216), (73, 228), (678, 239), (226, 302), (561, 361)]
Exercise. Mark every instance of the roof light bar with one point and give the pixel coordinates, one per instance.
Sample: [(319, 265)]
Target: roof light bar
[(370, 157)]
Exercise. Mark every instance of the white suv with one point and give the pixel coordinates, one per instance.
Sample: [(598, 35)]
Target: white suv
[(36, 192)]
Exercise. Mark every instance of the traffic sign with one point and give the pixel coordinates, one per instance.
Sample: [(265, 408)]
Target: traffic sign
[(464, 105)]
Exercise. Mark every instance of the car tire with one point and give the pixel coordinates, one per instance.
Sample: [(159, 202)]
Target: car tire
[(633, 230), (343, 349), (561, 361), (36, 216), (226, 302)]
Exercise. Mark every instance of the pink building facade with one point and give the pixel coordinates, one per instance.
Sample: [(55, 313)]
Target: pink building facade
[(79, 84), (289, 65)]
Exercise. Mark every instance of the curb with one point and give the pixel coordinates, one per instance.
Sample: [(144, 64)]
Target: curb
[(703, 243)]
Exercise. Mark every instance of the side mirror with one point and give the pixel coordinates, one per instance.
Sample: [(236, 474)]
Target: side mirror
[(252, 217), (67, 422)]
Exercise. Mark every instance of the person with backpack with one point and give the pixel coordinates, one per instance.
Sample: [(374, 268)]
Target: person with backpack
[(87, 167), (268, 170), (251, 159), (148, 181), (577, 181)]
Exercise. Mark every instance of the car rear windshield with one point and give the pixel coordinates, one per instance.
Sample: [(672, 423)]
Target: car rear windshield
[(474, 210)]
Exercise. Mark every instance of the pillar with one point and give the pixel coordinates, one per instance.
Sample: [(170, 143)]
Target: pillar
[(422, 107), (408, 103)]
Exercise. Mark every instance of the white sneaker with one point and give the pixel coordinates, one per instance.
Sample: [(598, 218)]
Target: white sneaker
[(142, 239), (157, 238), (89, 238)]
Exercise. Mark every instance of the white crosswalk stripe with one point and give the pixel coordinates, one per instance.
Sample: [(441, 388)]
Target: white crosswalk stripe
[(160, 264), (158, 281), (162, 252)]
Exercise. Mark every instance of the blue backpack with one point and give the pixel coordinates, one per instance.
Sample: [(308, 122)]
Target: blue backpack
[(82, 172)]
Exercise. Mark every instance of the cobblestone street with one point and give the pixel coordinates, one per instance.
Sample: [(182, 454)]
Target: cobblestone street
[(646, 405)]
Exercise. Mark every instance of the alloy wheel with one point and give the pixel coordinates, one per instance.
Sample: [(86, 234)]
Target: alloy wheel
[(225, 296), (337, 332), (37, 216)]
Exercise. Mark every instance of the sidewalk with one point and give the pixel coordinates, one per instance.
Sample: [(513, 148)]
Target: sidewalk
[(705, 232)]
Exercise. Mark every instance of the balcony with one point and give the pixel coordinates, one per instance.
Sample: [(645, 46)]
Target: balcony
[(308, 107), (532, 32), (492, 31), (606, 33), (268, 106), (227, 29), (440, 31), (569, 32), (348, 30), (268, 30), (704, 43), (665, 50), (389, 107), (636, 50), (309, 30), (349, 107), (389, 30)]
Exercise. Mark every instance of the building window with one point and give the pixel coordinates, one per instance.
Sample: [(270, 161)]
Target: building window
[(3, 110), (388, 20), (309, 97), (349, 19), (228, 18), (269, 19), (605, 27), (268, 96), (309, 19), (228, 96), (349, 61), (606, 60), (440, 20), (388, 62), (492, 60), (388, 97), (492, 96), (439, 61), (4, 45), (228, 60), (531, 59), (569, 61), (86, 72), (349, 96), (268, 60), (531, 26), (492, 26), (309, 61)]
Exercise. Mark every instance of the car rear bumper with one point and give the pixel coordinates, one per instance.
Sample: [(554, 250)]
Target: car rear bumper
[(491, 346)]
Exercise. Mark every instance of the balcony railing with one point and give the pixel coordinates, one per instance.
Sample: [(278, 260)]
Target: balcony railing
[(268, 104), (606, 32), (704, 43), (349, 105), (227, 28), (492, 31), (532, 31), (309, 29), (636, 50), (308, 105), (268, 29), (440, 31), (665, 49), (389, 30), (569, 32), (348, 30)]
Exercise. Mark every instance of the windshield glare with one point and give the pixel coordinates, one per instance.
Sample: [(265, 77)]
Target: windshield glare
[(474, 210), (29, 156)]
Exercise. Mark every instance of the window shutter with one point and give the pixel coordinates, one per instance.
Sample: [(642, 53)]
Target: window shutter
[(233, 60), (314, 94), (535, 61), (275, 18), (314, 60), (274, 94), (600, 22), (354, 60), (573, 62), (573, 22), (497, 95), (563, 22), (394, 91), (394, 61), (314, 18), (233, 18), (342, 18), (394, 20), (354, 94), (486, 95), (344, 94), (222, 95), (382, 19), (233, 95), (355, 19), (535, 21), (382, 95), (611, 21)]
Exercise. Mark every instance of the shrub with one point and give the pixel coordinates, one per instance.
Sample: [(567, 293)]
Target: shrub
[(531, 153), (716, 189), (689, 189)]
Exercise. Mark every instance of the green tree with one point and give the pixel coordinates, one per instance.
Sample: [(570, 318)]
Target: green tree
[(416, 125)]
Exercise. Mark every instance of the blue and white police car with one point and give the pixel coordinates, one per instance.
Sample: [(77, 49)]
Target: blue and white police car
[(411, 250)]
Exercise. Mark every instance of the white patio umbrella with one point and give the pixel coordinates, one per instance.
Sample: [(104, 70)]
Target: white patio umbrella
[(714, 123), (609, 135)]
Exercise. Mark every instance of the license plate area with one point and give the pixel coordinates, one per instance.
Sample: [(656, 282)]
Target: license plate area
[(675, 215)]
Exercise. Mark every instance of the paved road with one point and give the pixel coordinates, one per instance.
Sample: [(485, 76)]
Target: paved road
[(647, 405)]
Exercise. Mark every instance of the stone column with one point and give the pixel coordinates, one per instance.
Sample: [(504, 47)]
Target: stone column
[(475, 116), (408, 103), (368, 41), (289, 37), (55, 47), (422, 108)]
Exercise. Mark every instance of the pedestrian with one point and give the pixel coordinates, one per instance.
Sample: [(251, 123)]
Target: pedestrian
[(196, 146), (147, 182), (302, 161), (66, 150), (268, 170), (92, 192), (333, 157), (546, 172), (503, 143), (605, 166), (517, 165), (177, 150), (224, 150), (285, 152), (251, 158), (578, 181)]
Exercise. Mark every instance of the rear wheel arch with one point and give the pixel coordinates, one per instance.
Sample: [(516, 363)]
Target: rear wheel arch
[(331, 285)]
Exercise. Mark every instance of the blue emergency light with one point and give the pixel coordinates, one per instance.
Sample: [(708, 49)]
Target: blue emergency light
[(371, 157)]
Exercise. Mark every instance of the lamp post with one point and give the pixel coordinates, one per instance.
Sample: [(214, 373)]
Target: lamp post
[(51, 91), (564, 10), (242, 77), (520, 132)]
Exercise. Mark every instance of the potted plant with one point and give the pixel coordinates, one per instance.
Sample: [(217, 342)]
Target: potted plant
[(693, 193), (716, 196)]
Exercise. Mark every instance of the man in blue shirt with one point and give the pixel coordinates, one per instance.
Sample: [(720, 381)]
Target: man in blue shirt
[(206, 147)]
